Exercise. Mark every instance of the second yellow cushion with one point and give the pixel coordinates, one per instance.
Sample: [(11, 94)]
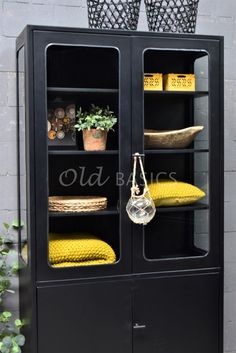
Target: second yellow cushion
[(174, 193)]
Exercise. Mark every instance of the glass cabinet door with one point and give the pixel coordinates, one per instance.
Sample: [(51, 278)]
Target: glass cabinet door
[(83, 230), (176, 125)]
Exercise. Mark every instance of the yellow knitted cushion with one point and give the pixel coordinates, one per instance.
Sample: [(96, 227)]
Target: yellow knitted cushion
[(67, 250), (174, 193)]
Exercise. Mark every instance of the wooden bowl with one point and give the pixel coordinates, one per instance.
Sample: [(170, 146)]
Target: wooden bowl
[(171, 138)]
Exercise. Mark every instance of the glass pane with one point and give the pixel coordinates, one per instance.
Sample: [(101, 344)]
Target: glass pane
[(176, 149), (84, 222), (23, 234), (176, 235)]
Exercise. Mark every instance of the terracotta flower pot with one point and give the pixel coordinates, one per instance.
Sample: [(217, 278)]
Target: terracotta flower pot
[(94, 139)]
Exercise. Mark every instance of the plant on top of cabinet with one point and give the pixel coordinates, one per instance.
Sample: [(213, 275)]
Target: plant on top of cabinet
[(95, 124)]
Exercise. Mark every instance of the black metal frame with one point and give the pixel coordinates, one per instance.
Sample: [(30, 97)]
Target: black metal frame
[(38, 278)]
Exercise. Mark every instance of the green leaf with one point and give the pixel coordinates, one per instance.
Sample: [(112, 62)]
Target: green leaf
[(15, 348), (19, 323), (8, 241), (6, 226), (5, 349), (4, 251), (16, 224), (20, 340), (7, 314), (7, 342)]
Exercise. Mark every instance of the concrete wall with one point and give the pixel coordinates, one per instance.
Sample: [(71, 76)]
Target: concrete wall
[(215, 17)]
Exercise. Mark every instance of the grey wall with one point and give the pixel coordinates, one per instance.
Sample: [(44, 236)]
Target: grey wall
[(215, 17)]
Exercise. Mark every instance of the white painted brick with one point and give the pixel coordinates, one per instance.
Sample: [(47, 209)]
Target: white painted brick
[(7, 54), (230, 337), (230, 93), (8, 160), (143, 24), (230, 277), (230, 186), (8, 124), (12, 158), (17, 15), (225, 8), (11, 89), (3, 154), (230, 307), (8, 192), (7, 216), (8, 89), (222, 26), (204, 24), (43, 2), (41, 14), (24, 1), (230, 155), (230, 219), (230, 54), (229, 249), (205, 8), (230, 124), (70, 16), (3, 89), (76, 3)]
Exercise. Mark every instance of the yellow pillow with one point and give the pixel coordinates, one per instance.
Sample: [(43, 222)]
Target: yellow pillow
[(174, 193)]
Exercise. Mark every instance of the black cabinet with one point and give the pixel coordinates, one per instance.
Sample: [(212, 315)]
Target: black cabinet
[(163, 292)]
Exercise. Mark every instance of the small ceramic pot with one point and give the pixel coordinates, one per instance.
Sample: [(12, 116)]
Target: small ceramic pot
[(94, 139)]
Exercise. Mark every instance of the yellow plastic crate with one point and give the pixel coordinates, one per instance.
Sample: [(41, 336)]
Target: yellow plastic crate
[(179, 82), (153, 82)]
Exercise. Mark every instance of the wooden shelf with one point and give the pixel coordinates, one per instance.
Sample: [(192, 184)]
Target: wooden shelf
[(83, 153), (197, 206), (81, 90), (178, 93), (176, 151), (106, 212)]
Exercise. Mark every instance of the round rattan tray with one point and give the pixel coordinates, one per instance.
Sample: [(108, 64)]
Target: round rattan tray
[(76, 203)]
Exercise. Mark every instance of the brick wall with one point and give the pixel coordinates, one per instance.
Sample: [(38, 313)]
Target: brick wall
[(215, 17)]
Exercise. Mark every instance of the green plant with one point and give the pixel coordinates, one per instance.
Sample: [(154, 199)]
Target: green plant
[(11, 340), (96, 118)]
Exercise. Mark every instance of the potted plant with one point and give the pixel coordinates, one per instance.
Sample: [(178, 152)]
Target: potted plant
[(95, 125), (11, 340)]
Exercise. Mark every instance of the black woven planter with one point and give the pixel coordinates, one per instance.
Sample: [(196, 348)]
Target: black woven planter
[(178, 16), (116, 14)]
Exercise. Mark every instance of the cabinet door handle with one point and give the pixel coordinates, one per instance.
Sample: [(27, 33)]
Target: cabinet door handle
[(137, 326)]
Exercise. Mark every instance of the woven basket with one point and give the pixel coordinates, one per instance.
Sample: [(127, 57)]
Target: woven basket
[(178, 16), (113, 14), (76, 203)]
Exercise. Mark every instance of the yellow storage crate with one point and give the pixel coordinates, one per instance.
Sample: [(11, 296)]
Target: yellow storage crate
[(153, 82), (179, 82)]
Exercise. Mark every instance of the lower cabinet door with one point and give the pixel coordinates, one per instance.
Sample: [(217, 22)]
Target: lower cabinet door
[(177, 315), (85, 318)]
